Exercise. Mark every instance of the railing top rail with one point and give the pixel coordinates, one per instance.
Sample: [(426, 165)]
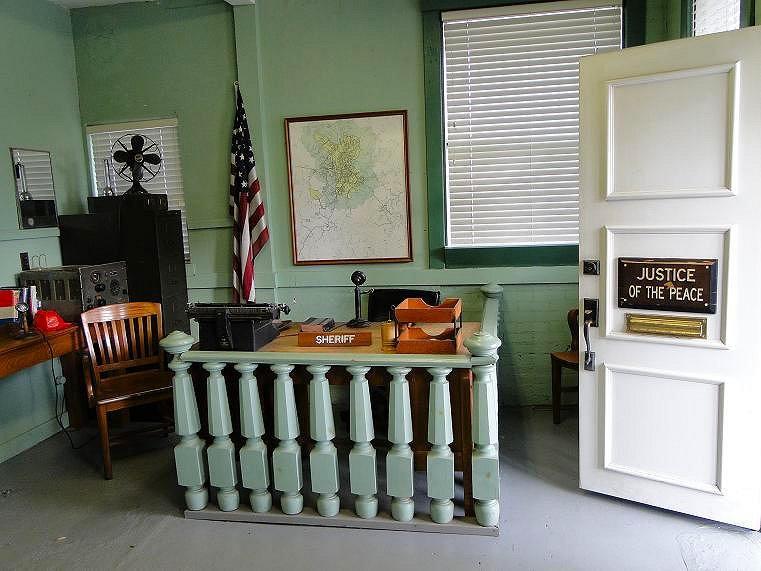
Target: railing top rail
[(336, 359), (482, 345)]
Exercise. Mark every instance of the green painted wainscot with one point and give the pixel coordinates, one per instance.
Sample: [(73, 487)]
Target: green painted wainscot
[(194, 460)]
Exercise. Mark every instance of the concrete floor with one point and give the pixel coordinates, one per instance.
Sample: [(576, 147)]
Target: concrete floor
[(56, 512)]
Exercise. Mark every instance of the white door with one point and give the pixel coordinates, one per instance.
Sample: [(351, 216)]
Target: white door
[(671, 206)]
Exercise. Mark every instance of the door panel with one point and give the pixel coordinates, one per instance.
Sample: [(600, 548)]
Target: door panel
[(664, 426), (695, 133), (670, 168)]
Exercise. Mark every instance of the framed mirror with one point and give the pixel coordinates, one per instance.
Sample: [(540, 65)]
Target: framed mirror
[(35, 191)]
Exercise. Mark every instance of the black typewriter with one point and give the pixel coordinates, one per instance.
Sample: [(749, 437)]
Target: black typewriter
[(236, 327)]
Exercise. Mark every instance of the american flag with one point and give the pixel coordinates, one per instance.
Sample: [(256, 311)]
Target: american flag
[(250, 232)]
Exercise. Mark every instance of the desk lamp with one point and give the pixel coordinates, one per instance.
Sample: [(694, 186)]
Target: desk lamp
[(358, 278)]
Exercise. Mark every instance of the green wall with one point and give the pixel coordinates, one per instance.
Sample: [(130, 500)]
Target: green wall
[(178, 58), (296, 58), (39, 107), (172, 58), (368, 56)]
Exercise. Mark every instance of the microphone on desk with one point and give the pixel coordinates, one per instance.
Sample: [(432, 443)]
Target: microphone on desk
[(358, 279)]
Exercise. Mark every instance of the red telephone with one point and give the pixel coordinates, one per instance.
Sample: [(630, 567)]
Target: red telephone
[(47, 320)]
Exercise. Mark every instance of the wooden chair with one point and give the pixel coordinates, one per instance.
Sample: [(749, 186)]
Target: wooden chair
[(125, 366), (565, 359)]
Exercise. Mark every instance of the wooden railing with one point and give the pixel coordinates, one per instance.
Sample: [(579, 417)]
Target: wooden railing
[(252, 460)]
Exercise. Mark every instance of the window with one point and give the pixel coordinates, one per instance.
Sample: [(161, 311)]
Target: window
[(38, 173), (511, 104), (710, 16), (101, 139)]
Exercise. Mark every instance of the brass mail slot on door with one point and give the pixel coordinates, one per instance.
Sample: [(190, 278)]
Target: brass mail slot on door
[(667, 325)]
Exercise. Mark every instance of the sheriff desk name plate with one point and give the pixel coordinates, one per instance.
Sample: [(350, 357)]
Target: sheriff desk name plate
[(668, 284)]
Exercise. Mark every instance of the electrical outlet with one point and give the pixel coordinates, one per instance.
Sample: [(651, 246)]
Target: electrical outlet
[(24, 256)]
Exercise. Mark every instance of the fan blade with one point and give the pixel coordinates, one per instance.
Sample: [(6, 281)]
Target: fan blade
[(121, 156), (152, 158), (150, 172), (137, 143), (137, 172)]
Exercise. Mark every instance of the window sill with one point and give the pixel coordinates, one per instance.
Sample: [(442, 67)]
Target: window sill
[(511, 256)]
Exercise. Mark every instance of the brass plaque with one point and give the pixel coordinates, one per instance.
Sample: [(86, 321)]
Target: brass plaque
[(667, 325), (668, 284)]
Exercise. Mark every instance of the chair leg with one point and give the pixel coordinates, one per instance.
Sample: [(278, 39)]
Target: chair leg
[(166, 420), (105, 446), (556, 391)]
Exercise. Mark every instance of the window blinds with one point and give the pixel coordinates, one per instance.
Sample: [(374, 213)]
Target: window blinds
[(511, 102), (710, 16), (169, 179), (38, 173)]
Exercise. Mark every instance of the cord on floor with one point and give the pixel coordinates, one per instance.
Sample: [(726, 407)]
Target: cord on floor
[(58, 380)]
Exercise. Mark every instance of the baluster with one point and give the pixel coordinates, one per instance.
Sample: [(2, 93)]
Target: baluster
[(188, 454), (286, 459), (221, 453), (362, 474), (253, 456), (399, 461), (323, 459), (485, 438), (440, 461)]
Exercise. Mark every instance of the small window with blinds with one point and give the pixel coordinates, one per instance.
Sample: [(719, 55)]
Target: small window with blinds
[(168, 180), (711, 16), (511, 104)]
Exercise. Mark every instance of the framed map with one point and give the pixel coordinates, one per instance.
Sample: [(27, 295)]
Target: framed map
[(349, 188)]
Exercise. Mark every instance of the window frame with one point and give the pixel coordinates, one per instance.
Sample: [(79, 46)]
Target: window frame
[(747, 16), (440, 256)]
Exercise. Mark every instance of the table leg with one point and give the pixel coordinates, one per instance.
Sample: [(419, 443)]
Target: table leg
[(74, 389), (466, 388), (301, 389), (419, 396), (556, 390)]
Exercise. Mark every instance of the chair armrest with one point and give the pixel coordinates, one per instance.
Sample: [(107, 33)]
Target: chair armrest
[(87, 372)]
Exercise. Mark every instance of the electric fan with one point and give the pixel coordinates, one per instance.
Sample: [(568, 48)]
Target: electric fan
[(138, 164)]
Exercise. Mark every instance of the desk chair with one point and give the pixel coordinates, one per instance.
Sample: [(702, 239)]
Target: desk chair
[(124, 366), (380, 301), (565, 359)]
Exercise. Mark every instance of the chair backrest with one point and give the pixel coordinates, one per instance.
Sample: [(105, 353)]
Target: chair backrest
[(123, 337), (380, 301), (573, 325)]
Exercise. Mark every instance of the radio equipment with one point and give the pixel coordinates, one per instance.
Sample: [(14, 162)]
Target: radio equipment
[(70, 290)]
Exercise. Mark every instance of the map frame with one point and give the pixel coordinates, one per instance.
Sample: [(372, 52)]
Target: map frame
[(378, 255)]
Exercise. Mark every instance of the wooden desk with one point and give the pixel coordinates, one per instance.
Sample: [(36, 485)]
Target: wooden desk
[(460, 387), (19, 354)]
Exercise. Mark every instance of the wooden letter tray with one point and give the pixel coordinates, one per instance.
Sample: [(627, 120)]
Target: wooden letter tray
[(415, 310), (412, 339)]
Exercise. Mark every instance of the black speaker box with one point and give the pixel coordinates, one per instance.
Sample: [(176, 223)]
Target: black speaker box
[(149, 240), (157, 202)]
